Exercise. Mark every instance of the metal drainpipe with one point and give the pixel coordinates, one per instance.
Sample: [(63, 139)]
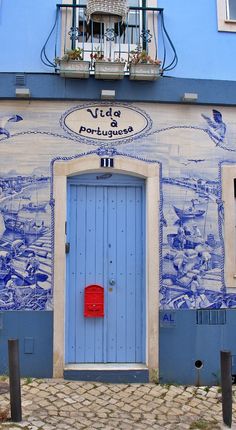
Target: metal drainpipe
[(144, 17), (73, 23)]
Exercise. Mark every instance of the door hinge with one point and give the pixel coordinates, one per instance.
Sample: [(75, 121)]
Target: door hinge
[(67, 247)]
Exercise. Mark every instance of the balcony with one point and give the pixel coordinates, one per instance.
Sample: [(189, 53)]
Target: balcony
[(110, 50)]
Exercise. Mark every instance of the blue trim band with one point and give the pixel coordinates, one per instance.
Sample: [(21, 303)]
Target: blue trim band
[(49, 86)]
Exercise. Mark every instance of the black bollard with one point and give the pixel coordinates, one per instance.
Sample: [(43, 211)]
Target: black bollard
[(14, 380), (226, 385)]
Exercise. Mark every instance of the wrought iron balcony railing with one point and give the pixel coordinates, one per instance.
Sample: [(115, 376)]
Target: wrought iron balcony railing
[(144, 29)]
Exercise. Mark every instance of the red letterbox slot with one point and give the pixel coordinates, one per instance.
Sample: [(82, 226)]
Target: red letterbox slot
[(94, 301)]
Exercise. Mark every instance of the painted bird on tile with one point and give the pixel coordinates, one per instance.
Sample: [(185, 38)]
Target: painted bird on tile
[(216, 127), (3, 123)]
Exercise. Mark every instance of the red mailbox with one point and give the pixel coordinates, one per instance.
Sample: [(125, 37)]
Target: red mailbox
[(94, 301)]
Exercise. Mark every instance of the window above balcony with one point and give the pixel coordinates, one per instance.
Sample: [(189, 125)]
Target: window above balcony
[(226, 12), (109, 48), (231, 10)]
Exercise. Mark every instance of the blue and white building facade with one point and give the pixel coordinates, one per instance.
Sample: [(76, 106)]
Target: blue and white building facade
[(117, 192)]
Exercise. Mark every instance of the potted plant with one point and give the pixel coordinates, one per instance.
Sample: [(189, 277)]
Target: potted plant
[(105, 68), (142, 67), (72, 65)]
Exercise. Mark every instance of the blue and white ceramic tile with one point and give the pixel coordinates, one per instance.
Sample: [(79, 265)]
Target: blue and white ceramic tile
[(190, 144)]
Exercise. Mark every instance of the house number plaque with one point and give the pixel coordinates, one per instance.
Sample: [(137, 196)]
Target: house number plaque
[(107, 162)]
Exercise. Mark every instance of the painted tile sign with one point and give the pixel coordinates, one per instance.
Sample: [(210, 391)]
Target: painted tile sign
[(190, 146), (105, 123)]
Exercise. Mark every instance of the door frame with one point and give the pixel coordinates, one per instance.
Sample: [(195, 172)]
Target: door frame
[(150, 171)]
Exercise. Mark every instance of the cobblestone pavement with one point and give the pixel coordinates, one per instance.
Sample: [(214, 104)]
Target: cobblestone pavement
[(58, 404)]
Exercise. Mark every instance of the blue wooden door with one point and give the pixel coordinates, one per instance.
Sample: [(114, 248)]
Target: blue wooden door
[(106, 236)]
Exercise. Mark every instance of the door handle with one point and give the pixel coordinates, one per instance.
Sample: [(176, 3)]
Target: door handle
[(112, 281)]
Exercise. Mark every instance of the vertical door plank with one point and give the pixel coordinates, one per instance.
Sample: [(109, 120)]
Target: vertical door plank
[(99, 270), (71, 275), (131, 268), (90, 269), (112, 218), (121, 284), (80, 252), (139, 278)]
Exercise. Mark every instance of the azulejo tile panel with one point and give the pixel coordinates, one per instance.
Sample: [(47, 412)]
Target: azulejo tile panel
[(191, 143)]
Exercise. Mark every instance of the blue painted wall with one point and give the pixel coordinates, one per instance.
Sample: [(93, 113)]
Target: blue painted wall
[(35, 345), (184, 342), (204, 53), (167, 89), (24, 27)]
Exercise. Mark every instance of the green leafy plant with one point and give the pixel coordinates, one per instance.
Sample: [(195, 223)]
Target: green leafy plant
[(71, 55), (142, 57), (204, 425), (3, 377)]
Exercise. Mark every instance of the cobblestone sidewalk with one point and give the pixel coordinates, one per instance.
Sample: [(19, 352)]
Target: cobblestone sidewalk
[(58, 404)]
